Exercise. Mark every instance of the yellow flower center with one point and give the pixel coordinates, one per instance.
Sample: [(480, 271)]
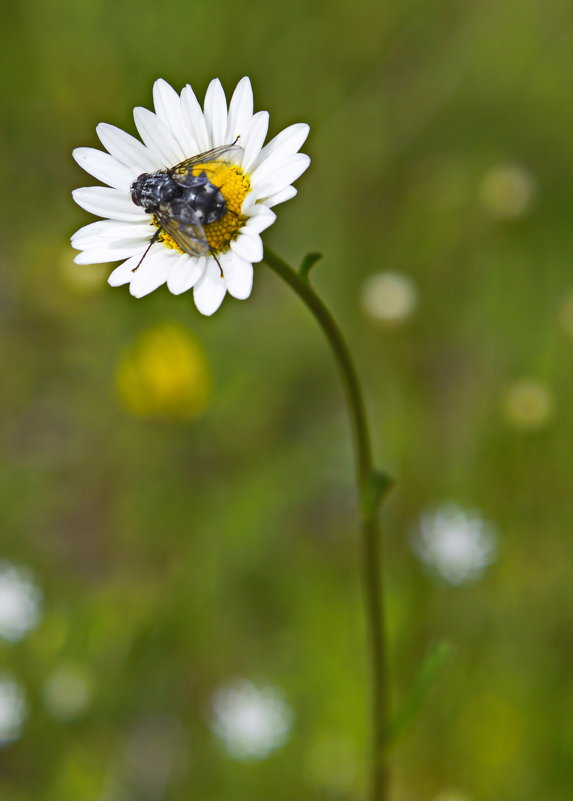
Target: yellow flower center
[(234, 185)]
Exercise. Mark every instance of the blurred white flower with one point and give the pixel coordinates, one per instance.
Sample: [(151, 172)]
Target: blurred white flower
[(507, 191), (389, 297), (251, 721), (12, 709), (527, 404), (68, 692), (20, 602), (455, 543)]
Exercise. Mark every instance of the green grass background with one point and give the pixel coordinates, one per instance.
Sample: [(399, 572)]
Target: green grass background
[(176, 555)]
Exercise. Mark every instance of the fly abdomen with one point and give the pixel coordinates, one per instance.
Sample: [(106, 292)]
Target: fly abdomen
[(184, 212)]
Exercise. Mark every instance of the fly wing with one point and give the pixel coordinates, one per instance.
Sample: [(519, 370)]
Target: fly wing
[(225, 153), (190, 237)]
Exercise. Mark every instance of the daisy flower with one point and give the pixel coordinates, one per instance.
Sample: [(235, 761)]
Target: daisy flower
[(247, 183)]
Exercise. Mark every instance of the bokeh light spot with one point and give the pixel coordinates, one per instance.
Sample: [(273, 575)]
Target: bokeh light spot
[(20, 602), (507, 191), (389, 297), (13, 709), (68, 692), (251, 721), (454, 543), (527, 404)]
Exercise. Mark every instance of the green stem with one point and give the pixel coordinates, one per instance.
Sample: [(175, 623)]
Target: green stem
[(371, 549)]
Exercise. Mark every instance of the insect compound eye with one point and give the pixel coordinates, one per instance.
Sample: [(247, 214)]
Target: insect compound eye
[(137, 188)]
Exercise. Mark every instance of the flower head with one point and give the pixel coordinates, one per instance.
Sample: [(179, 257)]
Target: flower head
[(187, 206)]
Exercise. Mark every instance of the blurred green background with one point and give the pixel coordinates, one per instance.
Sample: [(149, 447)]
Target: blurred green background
[(180, 610)]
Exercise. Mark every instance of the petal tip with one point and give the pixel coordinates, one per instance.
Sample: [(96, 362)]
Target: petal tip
[(245, 83), (118, 278)]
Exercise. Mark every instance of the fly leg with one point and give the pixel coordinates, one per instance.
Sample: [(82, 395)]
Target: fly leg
[(218, 263), (153, 240)]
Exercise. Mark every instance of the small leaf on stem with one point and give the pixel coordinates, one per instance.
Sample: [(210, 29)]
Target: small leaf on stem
[(377, 488), (308, 263)]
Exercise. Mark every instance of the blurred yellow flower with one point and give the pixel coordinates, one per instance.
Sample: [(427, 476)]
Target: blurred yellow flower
[(527, 404), (164, 374)]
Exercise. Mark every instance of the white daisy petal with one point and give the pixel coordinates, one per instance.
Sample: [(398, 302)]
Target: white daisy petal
[(113, 252), (284, 144), (103, 231), (260, 218), (216, 113), (127, 149), (249, 202), (168, 107), (280, 197), (185, 273), (248, 245), (238, 276), (254, 137), (240, 110), (107, 202), (152, 272), (209, 291), (194, 118), (291, 168), (157, 137), (104, 167), (124, 273)]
